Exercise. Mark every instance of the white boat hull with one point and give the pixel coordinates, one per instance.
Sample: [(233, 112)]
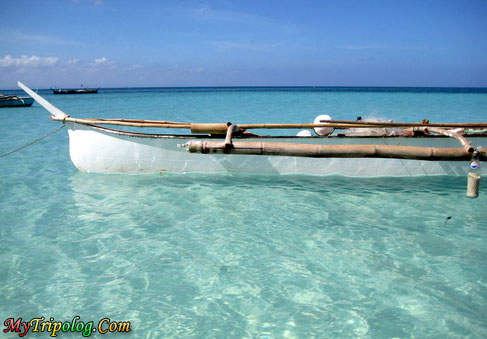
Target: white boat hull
[(101, 150)]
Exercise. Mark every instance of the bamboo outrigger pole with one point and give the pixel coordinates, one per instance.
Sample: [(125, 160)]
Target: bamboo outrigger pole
[(333, 151), (340, 151), (221, 128), (124, 122)]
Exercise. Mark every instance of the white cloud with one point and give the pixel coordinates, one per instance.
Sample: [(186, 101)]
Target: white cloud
[(100, 64), (72, 61), (28, 61), (100, 61)]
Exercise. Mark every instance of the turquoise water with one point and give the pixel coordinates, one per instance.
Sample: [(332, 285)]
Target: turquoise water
[(241, 256)]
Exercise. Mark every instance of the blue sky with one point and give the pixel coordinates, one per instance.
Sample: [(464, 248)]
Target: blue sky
[(118, 43)]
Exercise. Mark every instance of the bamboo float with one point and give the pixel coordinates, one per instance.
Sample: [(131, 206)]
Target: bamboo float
[(339, 151), (333, 151)]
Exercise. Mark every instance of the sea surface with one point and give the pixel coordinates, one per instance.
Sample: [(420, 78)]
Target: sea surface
[(240, 256)]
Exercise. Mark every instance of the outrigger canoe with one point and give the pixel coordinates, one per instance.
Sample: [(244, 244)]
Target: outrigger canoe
[(418, 149)]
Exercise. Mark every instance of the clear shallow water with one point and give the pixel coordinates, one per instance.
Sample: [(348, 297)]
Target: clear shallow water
[(239, 255)]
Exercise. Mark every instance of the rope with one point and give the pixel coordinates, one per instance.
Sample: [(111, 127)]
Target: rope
[(32, 142)]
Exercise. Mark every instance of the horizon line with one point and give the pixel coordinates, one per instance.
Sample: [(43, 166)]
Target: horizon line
[(263, 86)]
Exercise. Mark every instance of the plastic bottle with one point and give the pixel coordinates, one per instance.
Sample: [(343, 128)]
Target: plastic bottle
[(473, 179)]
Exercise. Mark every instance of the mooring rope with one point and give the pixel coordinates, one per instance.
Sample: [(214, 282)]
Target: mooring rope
[(32, 142)]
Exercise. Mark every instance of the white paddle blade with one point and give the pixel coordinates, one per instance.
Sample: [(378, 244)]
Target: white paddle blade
[(43, 102)]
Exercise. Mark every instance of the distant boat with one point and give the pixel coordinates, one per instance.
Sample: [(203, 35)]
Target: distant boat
[(15, 101), (75, 91)]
